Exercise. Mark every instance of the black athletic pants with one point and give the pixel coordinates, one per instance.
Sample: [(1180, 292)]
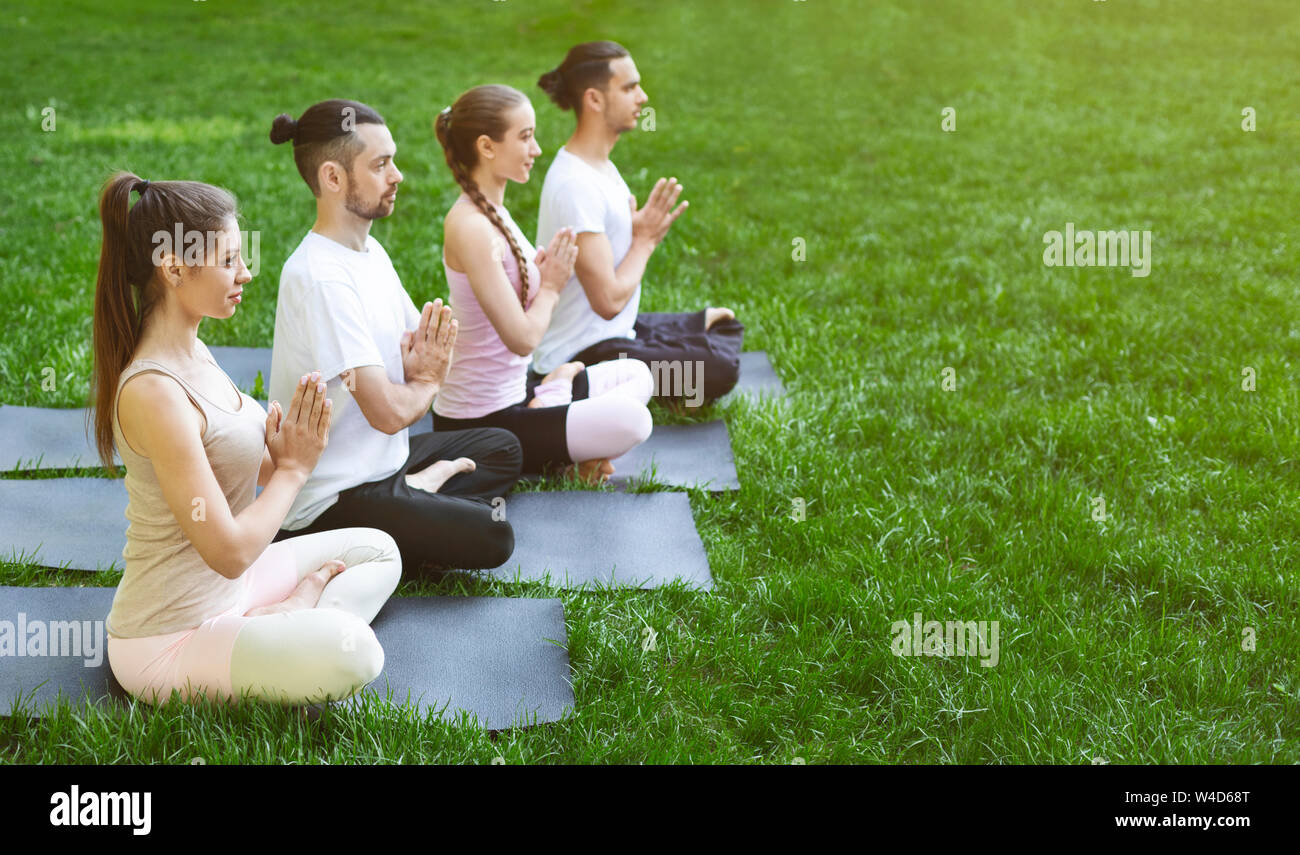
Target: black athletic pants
[(678, 337), (453, 528), (541, 430)]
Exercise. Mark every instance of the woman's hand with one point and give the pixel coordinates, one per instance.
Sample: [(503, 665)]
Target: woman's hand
[(556, 261), (297, 440)]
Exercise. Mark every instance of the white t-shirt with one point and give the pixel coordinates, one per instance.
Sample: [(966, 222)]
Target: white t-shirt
[(579, 195), (340, 309)]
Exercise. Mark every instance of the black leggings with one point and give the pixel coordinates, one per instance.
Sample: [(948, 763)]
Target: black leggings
[(457, 527), (678, 337), (540, 430)]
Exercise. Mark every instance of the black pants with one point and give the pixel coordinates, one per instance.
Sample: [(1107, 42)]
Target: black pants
[(453, 528), (671, 337), (540, 430)]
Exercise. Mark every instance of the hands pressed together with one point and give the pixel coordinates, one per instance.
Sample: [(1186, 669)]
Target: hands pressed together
[(297, 440), (426, 352), (555, 263)]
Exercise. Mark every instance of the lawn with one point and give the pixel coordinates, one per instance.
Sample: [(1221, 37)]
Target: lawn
[(867, 250)]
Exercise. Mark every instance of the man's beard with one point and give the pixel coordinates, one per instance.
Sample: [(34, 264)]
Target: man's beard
[(630, 126), (353, 203)]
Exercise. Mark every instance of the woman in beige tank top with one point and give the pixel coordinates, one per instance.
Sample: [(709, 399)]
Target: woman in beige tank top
[(208, 605)]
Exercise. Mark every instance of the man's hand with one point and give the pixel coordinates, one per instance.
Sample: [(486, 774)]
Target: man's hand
[(651, 223), (426, 351)]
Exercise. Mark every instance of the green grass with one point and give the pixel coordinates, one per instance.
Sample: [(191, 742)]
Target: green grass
[(1119, 639)]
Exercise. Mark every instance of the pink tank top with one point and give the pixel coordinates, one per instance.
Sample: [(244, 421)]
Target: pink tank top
[(485, 376)]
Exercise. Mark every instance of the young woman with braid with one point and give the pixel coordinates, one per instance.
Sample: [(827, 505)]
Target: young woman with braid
[(208, 605), (577, 416)]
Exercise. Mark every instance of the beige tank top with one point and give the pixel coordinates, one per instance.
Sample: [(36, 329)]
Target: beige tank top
[(167, 586)]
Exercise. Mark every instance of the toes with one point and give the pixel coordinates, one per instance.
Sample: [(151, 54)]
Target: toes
[(328, 571)]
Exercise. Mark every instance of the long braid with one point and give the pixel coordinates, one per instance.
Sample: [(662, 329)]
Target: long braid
[(475, 194)]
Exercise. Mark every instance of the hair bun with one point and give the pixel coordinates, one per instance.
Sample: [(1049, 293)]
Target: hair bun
[(552, 83), (283, 129)]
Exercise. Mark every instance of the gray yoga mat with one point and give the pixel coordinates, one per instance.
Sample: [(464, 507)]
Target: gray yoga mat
[(503, 660), (56, 438), (242, 365), (39, 438), (695, 455), (577, 537), (757, 377), (45, 438), (592, 539), (77, 523)]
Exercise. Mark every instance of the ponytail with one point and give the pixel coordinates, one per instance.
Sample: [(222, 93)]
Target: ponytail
[(116, 327)]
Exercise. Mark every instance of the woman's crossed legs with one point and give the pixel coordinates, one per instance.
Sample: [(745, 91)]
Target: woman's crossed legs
[(302, 655)]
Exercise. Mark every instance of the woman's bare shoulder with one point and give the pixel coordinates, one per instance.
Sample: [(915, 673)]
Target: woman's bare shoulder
[(150, 401)]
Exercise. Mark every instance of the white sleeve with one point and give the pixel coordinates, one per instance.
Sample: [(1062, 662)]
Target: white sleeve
[(580, 204), (336, 329), (411, 312)]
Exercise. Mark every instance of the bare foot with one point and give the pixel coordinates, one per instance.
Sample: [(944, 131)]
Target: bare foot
[(306, 595), (712, 316), (590, 471), (433, 477), (567, 371)]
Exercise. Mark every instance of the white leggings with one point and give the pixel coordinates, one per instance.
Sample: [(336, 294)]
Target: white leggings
[(613, 418), (299, 657)]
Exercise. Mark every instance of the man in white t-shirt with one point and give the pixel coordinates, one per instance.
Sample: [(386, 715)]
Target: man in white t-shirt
[(694, 356), (342, 311)]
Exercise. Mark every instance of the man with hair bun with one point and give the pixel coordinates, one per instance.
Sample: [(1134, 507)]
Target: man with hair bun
[(597, 317), (342, 308)]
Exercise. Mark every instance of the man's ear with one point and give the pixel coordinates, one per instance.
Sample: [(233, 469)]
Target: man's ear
[(593, 99), (330, 176)]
